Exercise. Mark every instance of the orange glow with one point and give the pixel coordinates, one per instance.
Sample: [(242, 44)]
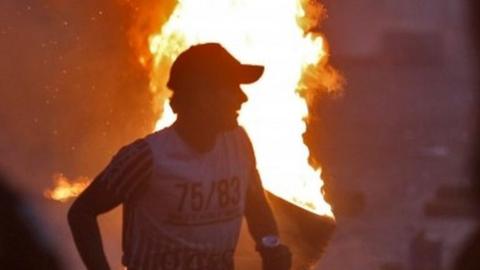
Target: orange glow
[(273, 33), (64, 189), (266, 33)]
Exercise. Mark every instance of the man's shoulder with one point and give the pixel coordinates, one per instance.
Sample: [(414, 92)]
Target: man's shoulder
[(238, 132), (158, 136), (242, 136), (161, 141), (139, 147)]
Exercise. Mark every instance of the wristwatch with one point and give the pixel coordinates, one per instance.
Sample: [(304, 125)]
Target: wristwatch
[(270, 241)]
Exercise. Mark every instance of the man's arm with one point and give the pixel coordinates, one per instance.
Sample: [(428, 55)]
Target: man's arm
[(126, 174), (263, 228), (258, 214), (261, 222), (82, 218)]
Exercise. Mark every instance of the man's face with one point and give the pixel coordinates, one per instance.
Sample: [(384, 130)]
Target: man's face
[(217, 108)]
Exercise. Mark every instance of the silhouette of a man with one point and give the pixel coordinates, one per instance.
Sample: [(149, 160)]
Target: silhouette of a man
[(185, 188)]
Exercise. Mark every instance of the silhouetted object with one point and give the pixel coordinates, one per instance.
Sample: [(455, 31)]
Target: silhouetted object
[(306, 233), (21, 248)]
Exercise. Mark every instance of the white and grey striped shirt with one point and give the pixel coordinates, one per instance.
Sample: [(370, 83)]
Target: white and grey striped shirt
[(182, 209)]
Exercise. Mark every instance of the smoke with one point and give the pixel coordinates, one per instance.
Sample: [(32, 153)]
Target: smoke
[(73, 89)]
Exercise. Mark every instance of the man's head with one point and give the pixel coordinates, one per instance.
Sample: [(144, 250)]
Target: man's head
[(205, 80)]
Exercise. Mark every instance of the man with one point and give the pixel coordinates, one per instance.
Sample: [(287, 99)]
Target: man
[(185, 189)]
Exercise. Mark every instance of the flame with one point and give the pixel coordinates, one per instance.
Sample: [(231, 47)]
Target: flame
[(65, 189), (276, 34), (268, 33)]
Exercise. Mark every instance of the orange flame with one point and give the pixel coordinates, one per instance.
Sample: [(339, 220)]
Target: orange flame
[(276, 34), (266, 33), (65, 189)]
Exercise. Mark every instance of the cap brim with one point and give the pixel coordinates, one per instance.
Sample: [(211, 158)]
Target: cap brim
[(250, 73)]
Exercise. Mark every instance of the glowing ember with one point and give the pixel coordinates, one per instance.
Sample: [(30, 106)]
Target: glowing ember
[(266, 33), (65, 189)]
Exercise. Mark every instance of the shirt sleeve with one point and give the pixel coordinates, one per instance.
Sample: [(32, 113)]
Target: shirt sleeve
[(129, 171), (125, 176)]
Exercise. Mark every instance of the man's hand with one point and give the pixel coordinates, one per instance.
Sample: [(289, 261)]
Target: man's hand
[(275, 258)]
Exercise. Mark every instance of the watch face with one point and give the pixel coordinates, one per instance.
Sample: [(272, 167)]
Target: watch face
[(271, 241)]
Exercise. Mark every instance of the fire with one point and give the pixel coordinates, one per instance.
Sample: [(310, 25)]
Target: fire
[(65, 189), (275, 34), (268, 33)]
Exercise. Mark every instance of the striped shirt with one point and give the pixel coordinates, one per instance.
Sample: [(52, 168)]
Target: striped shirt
[(183, 209), (129, 171)]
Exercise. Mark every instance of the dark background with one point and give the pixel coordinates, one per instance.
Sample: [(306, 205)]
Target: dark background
[(396, 145)]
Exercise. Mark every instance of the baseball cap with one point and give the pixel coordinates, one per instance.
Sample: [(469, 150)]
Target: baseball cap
[(210, 64)]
